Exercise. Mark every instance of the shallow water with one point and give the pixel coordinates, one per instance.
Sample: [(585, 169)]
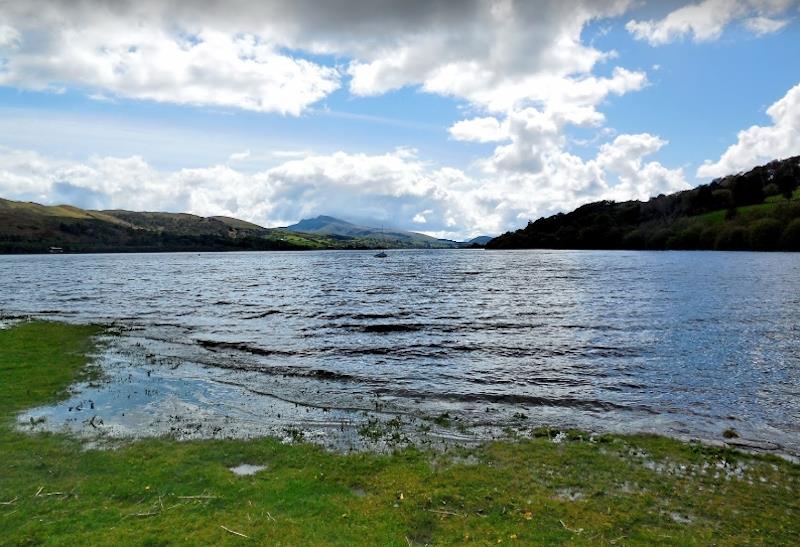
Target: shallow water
[(243, 344)]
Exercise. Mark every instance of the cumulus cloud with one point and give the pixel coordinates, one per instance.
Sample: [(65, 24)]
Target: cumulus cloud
[(419, 218), (706, 20), (534, 175), (446, 202), (487, 129), (500, 55), (759, 144), (131, 53), (255, 55), (635, 179)]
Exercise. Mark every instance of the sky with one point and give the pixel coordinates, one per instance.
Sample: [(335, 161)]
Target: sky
[(455, 118)]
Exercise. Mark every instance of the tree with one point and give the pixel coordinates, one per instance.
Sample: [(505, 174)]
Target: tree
[(787, 177), (747, 190)]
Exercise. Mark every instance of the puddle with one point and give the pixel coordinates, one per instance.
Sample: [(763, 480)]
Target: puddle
[(141, 396)]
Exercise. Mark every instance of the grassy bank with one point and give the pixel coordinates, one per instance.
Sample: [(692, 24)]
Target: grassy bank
[(608, 490)]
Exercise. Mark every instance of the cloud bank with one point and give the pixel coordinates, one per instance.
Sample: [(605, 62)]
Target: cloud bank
[(443, 201)]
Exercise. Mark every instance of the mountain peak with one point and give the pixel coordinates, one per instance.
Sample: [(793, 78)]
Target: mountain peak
[(327, 218)]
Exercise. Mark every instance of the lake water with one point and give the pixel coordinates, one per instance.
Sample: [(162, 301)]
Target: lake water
[(458, 343)]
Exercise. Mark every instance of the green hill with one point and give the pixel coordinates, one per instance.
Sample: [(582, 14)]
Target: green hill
[(31, 228), (757, 210)]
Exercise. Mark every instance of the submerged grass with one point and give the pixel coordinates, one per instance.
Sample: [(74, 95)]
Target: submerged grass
[(552, 488)]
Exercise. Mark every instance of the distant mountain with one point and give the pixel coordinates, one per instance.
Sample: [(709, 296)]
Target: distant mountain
[(343, 230), (329, 226), (757, 210), (480, 240)]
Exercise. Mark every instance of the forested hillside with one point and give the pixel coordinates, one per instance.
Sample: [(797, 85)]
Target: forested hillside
[(756, 210)]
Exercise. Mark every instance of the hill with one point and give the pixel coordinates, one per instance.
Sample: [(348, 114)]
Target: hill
[(757, 210), (343, 230), (33, 228)]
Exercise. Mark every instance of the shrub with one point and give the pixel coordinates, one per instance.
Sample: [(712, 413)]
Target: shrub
[(634, 240), (732, 239), (658, 240), (687, 239), (765, 234), (708, 238)]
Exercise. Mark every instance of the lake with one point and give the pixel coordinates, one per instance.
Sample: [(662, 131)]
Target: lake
[(332, 345)]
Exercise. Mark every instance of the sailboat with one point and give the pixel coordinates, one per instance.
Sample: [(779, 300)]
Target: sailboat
[(382, 253)]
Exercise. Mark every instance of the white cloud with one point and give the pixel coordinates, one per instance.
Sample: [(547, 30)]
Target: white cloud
[(759, 144), (237, 54), (706, 20), (291, 153), (239, 156), (764, 25), (495, 55), (447, 201), (635, 179), (487, 129), (535, 176), (420, 218), (136, 56)]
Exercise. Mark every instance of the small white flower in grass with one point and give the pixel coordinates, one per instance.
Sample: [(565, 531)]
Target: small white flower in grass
[(561, 437)]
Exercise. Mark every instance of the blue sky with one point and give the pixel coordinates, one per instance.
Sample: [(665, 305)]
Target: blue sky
[(457, 120)]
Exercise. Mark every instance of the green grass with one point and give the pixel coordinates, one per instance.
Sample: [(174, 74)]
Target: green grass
[(609, 490), (749, 212)]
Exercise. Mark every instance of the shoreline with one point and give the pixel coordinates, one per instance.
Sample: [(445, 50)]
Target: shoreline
[(566, 487), (371, 426)]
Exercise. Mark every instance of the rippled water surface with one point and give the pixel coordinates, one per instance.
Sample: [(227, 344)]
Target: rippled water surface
[(250, 343)]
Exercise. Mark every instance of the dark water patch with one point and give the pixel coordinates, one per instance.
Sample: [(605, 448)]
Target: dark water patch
[(364, 316), (527, 401), (261, 315), (297, 372), (242, 347), (390, 327)]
